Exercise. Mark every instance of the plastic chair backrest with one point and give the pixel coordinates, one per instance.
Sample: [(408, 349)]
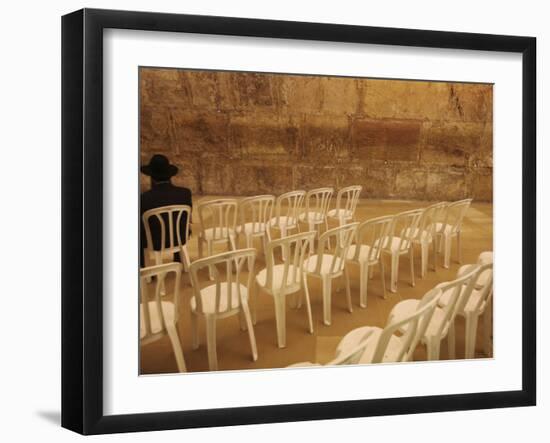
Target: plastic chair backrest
[(455, 213), (483, 282), (460, 288), (343, 236), (347, 198), (372, 233), (430, 216), (157, 275), (177, 217), (317, 203), (404, 226), (257, 211), (289, 205), (220, 215), (353, 356), (415, 324), (296, 249), (225, 270)]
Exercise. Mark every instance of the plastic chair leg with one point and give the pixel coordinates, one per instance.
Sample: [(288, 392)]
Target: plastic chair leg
[(327, 300), (447, 251), (451, 341), (487, 329), (209, 249), (211, 343), (176, 345), (432, 347), (308, 303), (195, 340), (348, 291), (424, 256), (471, 331), (251, 336), (363, 284), (394, 272), (280, 319), (459, 247), (382, 277), (411, 260)]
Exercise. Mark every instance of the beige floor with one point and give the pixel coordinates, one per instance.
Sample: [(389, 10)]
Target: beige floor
[(233, 345)]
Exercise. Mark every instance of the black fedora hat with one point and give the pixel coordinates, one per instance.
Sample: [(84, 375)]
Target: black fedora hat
[(159, 168)]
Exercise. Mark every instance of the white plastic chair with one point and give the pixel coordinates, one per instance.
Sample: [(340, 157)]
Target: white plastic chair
[(399, 243), (178, 218), (315, 214), (366, 251), (346, 203), (451, 227), (330, 265), (477, 305), (383, 345), (288, 207), (159, 318), (425, 233), (442, 322), (349, 357), (226, 297), (254, 217), (282, 279), (218, 219)]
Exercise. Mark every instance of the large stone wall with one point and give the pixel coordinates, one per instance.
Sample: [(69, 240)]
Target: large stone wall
[(243, 133)]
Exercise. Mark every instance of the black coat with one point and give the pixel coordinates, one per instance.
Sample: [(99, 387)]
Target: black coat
[(163, 194)]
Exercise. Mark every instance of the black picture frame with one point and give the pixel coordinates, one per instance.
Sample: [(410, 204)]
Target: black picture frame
[(82, 218)]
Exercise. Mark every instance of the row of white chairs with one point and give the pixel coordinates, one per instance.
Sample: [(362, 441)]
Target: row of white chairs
[(224, 220), (228, 297), (427, 321)]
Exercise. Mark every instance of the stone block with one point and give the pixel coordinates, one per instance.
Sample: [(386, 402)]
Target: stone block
[(270, 138), (447, 184), (482, 185), (390, 140), (325, 139), (311, 177), (452, 143), (257, 179)]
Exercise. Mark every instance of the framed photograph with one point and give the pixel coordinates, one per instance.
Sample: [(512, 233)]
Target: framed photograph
[(269, 221)]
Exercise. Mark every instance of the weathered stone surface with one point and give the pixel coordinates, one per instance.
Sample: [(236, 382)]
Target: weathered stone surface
[(310, 177), (262, 179), (452, 143), (325, 139), (446, 184), (482, 184), (386, 139), (267, 137), (235, 133)]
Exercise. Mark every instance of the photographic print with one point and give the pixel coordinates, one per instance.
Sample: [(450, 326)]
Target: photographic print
[(290, 220)]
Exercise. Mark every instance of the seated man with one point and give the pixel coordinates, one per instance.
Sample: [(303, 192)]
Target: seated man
[(162, 193)]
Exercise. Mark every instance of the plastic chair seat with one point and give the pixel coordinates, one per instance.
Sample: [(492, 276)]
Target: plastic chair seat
[(355, 337), (470, 305), (310, 265), (283, 221), (251, 228), (304, 364), (418, 236), (406, 307), (337, 213), (208, 295), (440, 228), (168, 311), (277, 276), (394, 245), (312, 217), (218, 233), (364, 253)]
